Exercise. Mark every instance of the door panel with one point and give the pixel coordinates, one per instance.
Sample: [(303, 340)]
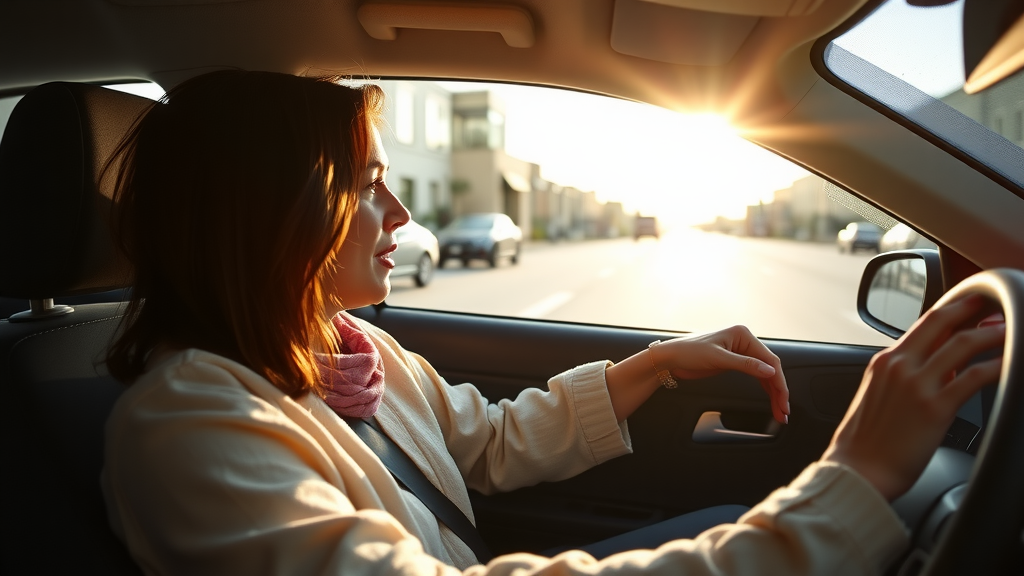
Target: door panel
[(668, 473)]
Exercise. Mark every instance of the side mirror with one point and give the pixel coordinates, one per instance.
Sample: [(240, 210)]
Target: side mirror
[(897, 287)]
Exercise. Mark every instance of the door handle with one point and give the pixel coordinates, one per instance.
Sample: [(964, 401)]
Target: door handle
[(710, 430)]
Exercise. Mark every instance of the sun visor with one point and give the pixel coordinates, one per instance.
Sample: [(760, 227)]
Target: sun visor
[(678, 35)]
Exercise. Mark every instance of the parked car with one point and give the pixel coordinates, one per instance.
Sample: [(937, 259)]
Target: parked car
[(815, 82), (417, 254), (859, 236), (483, 236), (646, 226), (903, 237)]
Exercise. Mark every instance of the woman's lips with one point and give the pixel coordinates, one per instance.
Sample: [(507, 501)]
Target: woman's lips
[(384, 256)]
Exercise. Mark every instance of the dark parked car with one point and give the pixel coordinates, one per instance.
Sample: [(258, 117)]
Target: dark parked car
[(417, 254), (485, 236), (859, 236)]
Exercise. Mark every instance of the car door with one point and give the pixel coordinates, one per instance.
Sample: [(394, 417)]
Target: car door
[(672, 469)]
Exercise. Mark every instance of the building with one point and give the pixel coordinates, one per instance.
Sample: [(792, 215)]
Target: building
[(489, 180), (999, 108), (418, 140), (802, 211), (448, 158)]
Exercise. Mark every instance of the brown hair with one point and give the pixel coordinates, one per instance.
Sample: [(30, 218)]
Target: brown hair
[(233, 194)]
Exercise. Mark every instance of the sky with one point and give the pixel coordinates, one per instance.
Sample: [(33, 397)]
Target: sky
[(690, 168)]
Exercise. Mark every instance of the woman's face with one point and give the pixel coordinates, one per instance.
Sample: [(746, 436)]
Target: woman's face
[(364, 261)]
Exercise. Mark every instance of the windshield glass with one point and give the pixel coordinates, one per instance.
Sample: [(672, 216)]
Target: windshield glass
[(910, 59)]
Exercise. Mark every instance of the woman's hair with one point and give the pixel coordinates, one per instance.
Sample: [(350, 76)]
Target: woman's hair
[(233, 194)]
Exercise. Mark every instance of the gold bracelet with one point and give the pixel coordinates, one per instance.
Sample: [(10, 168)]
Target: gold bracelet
[(664, 376)]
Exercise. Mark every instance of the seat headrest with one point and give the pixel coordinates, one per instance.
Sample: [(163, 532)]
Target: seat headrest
[(55, 239)]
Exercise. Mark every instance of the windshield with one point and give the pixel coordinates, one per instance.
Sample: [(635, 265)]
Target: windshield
[(910, 59)]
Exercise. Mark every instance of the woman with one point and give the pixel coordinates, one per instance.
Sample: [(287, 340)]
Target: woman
[(254, 209)]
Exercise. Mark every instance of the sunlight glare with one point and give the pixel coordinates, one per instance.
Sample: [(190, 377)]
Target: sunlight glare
[(683, 168)]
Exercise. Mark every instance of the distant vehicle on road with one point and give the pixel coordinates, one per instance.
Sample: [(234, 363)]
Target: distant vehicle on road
[(859, 236), (486, 236), (646, 226), (903, 237), (417, 254)]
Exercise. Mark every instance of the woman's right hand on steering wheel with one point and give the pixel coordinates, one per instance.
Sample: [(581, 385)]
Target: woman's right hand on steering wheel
[(911, 393)]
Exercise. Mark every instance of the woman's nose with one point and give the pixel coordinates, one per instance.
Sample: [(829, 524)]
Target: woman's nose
[(397, 215)]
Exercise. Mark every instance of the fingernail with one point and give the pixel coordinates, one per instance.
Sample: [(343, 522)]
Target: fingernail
[(788, 411), (786, 417), (765, 370)]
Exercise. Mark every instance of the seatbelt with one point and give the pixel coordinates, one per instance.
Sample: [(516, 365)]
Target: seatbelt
[(412, 479)]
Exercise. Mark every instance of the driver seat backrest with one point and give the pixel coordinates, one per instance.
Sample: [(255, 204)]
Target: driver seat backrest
[(55, 242)]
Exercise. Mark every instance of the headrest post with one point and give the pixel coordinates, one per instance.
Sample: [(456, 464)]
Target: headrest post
[(41, 309)]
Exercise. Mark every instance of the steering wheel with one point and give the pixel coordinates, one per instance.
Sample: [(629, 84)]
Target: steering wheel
[(986, 532)]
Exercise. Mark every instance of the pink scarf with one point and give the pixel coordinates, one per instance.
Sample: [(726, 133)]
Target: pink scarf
[(354, 379)]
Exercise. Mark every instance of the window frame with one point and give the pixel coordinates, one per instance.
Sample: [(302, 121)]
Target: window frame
[(818, 62)]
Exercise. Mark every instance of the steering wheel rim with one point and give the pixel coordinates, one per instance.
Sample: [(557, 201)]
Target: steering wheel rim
[(988, 526)]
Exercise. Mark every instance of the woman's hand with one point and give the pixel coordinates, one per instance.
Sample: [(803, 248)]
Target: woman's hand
[(910, 394), (700, 356), (633, 380)]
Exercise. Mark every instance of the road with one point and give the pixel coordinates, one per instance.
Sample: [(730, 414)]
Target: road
[(689, 281)]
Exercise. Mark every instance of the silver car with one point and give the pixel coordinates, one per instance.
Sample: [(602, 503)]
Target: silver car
[(417, 254), (903, 237)]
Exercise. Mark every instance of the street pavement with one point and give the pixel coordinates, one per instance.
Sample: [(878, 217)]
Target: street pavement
[(688, 281)]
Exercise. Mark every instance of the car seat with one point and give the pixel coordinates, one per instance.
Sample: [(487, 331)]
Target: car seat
[(55, 242)]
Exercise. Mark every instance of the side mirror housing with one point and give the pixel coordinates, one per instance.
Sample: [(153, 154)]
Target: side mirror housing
[(897, 287)]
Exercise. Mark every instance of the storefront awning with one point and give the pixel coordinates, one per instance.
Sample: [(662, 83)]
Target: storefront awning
[(516, 182)]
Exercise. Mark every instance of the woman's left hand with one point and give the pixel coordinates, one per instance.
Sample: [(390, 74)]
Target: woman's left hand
[(703, 355), (632, 381)]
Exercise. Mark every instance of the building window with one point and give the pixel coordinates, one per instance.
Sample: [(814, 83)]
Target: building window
[(405, 115), (435, 195), (438, 124), (485, 129), (407, 192)]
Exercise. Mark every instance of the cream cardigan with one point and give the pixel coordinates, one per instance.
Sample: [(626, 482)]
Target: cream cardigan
[(210, 469)]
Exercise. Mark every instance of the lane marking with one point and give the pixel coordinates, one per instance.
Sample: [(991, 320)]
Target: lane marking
[(546, 306)]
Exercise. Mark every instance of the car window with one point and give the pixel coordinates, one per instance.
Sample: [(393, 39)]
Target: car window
[(910, 59), (758, 246)]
